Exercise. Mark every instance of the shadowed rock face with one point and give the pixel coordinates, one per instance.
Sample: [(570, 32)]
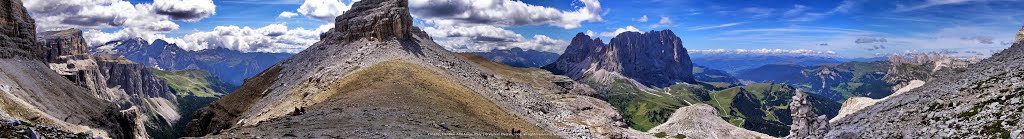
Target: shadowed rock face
[(18, 31), (655, 58)]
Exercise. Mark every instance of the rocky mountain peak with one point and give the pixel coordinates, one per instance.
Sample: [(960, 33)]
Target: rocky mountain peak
[(375, 19), (1020, 35), (61, 43)]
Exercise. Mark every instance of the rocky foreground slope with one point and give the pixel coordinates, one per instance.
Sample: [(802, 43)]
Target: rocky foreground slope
[(32, 93), (655, 58), (702, 121), (983, 100)]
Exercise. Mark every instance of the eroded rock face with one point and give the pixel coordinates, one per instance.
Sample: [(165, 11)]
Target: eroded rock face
[(655, 58), (379, 19), (61, 43), (135, 79), (116, 80), (18, 32)]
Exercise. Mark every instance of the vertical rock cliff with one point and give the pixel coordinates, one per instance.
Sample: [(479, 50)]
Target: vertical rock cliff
[(116, 80), (18, 29), (61, 43)]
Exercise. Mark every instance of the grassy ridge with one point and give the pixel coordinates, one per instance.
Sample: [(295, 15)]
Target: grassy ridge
[(194, 82)]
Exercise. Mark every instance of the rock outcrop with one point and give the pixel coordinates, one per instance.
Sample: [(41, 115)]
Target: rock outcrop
[(377, 76), (806, 124), (61, 43), (375, 19), (702, 121), (983, 100), (655, 58)]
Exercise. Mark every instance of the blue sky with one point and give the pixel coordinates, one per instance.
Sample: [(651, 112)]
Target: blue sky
[(849, 28)]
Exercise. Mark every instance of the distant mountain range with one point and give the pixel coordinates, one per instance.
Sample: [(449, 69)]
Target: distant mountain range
[(229, 65), (517, 57)]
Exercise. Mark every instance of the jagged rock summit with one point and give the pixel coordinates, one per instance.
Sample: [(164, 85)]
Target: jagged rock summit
[(375, 19), (377, 76), (655, 58)]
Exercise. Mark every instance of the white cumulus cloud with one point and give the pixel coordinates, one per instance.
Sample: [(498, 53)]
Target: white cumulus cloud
[(505, 12), (642, 19), (324, 10), (620, 30), (287, 14), (465, 38)]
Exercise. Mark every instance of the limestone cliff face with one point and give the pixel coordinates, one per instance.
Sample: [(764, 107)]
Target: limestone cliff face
[(61, 43), (135, 79), (655, 58), (116, 80), (375, 19), (18, 32)]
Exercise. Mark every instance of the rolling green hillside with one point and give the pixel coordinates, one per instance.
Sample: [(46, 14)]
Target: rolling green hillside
[(194, 82)]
